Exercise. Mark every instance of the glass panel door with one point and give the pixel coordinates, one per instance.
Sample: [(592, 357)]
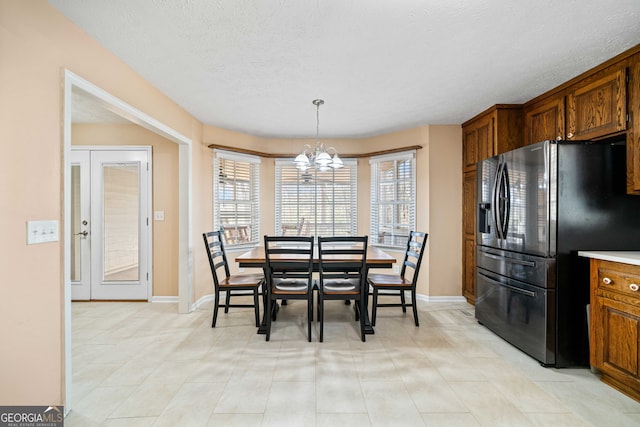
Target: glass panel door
[(110, 241), (121, 214)]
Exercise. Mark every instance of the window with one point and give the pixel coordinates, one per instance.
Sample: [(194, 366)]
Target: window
[(313, 203), (393, 198), (236, 204)]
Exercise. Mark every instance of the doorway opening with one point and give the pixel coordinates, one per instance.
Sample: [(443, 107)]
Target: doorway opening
[(113, 105)]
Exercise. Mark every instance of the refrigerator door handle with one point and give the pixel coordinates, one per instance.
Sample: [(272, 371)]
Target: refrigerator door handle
[(510, 287), (496, 201), (511, 260), (507, 201)]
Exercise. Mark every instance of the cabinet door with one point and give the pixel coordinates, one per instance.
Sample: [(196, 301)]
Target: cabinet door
[(470, 148), (469, 239), (633, 134), (478, 141), (620, 346), (545, 121), (469, 203), (469, 271), (484, 129), (598, 107)]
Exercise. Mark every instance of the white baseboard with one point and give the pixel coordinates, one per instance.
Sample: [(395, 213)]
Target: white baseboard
[(451, 298), (164, 299), (202, 300), (207, 298)]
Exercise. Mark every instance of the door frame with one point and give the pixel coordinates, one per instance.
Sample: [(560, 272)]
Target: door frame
[(185, 159), (149, 205)]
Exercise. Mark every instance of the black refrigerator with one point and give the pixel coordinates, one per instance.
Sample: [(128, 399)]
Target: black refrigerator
[(537, 207)]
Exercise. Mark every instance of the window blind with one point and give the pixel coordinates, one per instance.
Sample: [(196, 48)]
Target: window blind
[(236, 187), (314, 203), (393, 195)]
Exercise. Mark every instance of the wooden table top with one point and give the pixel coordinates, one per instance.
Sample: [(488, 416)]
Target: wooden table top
[(375, 256)]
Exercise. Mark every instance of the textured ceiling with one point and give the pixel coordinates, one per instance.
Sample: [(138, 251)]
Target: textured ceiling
[(380, 65)]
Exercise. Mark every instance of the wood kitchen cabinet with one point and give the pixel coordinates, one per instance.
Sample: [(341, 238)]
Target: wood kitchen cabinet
[(469, 237), (633, 126), (492, 132), (597, 106), (615, 324), (544, 120)]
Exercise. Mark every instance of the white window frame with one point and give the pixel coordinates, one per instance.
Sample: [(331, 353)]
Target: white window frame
[(232, 233), (310, 229), (394, 236)]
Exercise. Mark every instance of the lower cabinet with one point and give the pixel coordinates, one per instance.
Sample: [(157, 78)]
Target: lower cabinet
[(615, 324)]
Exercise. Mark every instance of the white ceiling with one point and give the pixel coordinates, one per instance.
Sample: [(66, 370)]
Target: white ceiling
[(380, 65)]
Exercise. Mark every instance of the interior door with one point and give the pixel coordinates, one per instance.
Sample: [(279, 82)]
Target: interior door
[(110, 216)]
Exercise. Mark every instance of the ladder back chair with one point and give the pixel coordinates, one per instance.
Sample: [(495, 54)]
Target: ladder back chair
[(223, 281), (343, 269), (394, 284), (288, 273)]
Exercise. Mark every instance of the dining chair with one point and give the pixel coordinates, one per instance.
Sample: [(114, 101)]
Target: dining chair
[(289, 275), (342, 264), (394, 284), (232, 285), (293, 229)]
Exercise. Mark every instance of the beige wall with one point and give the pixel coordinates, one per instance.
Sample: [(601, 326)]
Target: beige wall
[(438, 192), (165, 192), (445, 211), (37, 44)]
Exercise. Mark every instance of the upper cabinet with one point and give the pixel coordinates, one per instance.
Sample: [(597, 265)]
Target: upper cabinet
[(544, 120), (490, 133), (476, 142), (591, 108), (633, 132), (601, 103), (597, 106)]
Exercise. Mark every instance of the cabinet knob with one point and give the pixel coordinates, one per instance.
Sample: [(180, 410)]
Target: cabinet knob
[(570, 135), (633, 287), (606, 281), (559, 138)]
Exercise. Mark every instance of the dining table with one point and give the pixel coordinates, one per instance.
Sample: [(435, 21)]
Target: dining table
[(376, 258)]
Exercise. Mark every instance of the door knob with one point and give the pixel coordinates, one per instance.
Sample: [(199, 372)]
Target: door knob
[(83, 233)]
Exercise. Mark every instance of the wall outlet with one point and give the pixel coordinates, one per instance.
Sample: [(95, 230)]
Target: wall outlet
[(396, 268), (42, 232), (241, 269)]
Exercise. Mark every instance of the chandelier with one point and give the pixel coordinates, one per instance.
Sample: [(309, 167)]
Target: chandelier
[(320, 157)]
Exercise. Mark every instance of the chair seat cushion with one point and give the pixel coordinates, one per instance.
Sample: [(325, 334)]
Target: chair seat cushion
[(290, 285), (382, 280), (340, 286), (243, 280)]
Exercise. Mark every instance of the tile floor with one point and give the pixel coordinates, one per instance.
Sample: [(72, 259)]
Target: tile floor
[(140, 364)]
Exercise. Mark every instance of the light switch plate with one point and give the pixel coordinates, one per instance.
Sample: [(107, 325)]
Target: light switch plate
[(42, 232), (158, 215)]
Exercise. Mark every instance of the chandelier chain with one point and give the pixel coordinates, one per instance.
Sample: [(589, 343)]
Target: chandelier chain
[(320, 157)]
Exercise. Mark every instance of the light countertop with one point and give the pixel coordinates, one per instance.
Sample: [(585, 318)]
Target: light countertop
[(625, 257)]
